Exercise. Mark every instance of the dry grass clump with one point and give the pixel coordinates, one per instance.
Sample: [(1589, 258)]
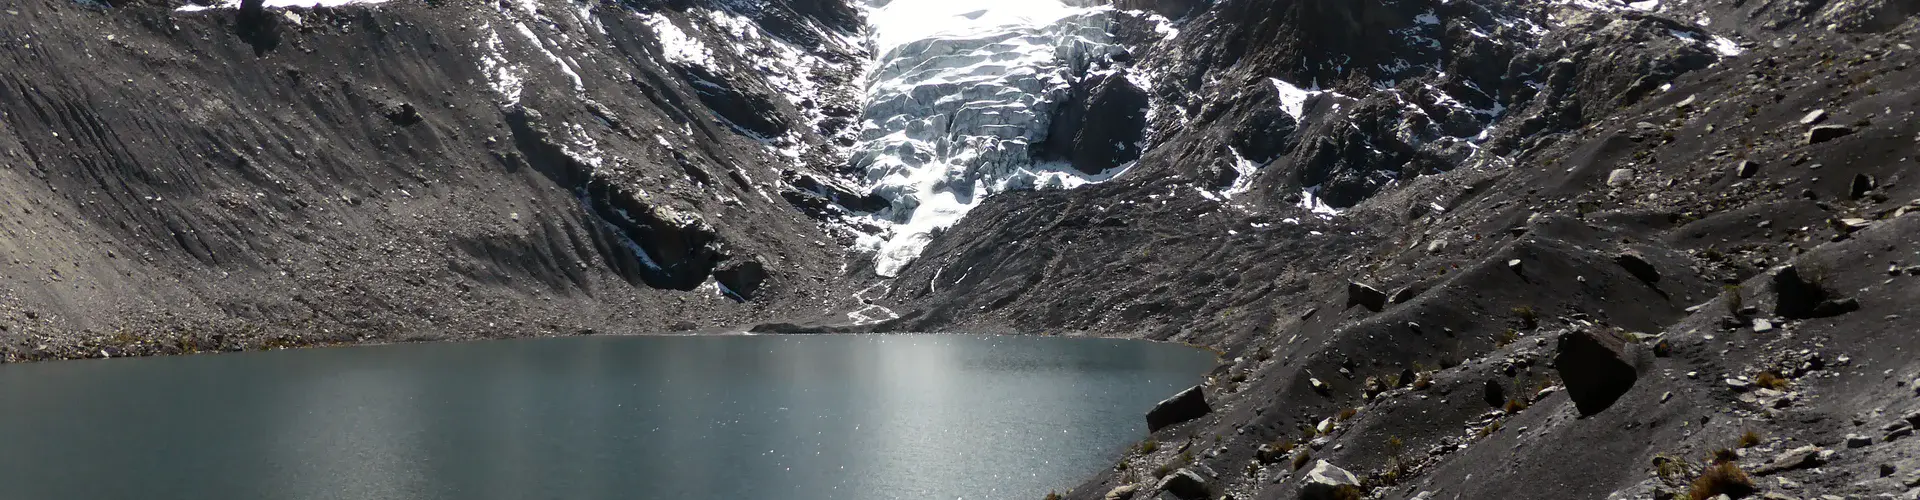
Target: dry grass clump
[(1724, 478), (1750, 439), (1770, 380)]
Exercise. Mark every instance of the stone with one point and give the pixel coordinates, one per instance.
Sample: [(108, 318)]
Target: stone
[(1327, 482), (1620, 177), (1186, 484), (1595, 369), (1319, 386), (741, 279), (1761, 325), (1888, 470), (1494, 395), (1746, 169), (1404, 294), (1122, 492), (1814, 117), (1858, 441), (1637, 265), (1862, 184), (1799, 297), (1366, 296), (1514, 264), (1898, 433), (1187, 405), (1798, 458), (1824, 133), (401, 113)]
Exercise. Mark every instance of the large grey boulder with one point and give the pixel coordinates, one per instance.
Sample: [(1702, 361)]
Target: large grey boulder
[(1187, 405), (1327, 482), (1186, 484), (1361, 294), (1595, 368)]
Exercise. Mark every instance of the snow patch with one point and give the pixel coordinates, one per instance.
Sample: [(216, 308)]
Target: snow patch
[(279, 4), (678, 48)]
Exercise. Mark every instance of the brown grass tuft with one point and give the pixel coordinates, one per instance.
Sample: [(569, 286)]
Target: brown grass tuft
[(1750, 439), (1724, 478), (1770, 380)]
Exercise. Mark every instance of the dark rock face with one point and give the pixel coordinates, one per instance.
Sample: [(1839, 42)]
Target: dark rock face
[(1493, 394), (258, 28), (1187, 405), (742, 278), (1824, 133), (1637, 265), (752, 110), (1595, 369), (1799, 296), (1364, 295), (1100, 126)]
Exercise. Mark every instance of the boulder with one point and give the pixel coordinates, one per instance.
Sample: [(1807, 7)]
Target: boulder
[(1186, 484), (1187, 405), (742, 278), (1824, 133), (1746, 169), (1797, 458), (1595, 368), (1326, 482), (1637, 265), (1862, 184), (1798, 296), (1620, 177), (1367, 296), (1122, 492), (1494, 395)]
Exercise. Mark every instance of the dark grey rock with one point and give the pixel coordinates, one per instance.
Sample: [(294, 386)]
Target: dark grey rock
[(1366, 296), (1327, 482), (1187, 405), (1595, 369), (1637, 265), (1824, 133)]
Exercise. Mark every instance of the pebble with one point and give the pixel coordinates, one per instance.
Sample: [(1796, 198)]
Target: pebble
[(1762, 325), (1858, 441)]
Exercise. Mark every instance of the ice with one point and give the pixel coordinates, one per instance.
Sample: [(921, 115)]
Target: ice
[(678, 47), (960, 94)]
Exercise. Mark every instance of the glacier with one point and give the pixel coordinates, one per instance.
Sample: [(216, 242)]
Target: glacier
[(958, 95)]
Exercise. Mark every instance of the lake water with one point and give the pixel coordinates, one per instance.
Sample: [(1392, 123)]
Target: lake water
[(737, 417)]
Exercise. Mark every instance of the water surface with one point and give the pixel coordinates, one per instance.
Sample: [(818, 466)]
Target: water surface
[(855, 417)]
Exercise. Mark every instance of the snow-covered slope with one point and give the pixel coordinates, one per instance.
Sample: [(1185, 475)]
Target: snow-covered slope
[(961, 93)]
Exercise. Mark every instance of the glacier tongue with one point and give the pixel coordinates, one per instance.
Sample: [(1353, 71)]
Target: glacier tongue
[(960, 94)]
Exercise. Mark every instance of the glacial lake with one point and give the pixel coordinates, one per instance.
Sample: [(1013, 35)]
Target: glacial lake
[(724, 417)]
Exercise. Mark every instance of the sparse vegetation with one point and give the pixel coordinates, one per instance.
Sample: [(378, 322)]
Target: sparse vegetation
[(1347, 414), (1724, 478), (1750, 439), (1054, 495), (1515, 406), (1734, 304), (1301, 458), (1149, 446), (1490, 429), (1724, 455), (1506, 338), (1770, 380), (1528, 319)]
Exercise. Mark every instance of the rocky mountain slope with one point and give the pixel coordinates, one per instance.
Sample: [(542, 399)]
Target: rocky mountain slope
[(1451, 249), (183, 178), (1479, 249)]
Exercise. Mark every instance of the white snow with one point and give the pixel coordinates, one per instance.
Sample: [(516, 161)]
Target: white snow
[(273, 4), (961, 92), (679, 48), (1293, 99)]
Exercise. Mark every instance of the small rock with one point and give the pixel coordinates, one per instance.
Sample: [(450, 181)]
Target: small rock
[(1514, 264), (1888, 470), (1319, 386), (1637, 265), (1862, 184), (1122, 492), (1823, 133), (1898, 433), (1761, 325), (1797, 458), (1797, 297), (1364, 295), (1620, 177), (1746, 169), (1817, 116), (1858, 441), (1326, 482), (1739, 385), (1187, 405), (1186, 484)]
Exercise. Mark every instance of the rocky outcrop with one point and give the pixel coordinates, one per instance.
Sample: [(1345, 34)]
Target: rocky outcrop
[(1327, 482), (1100, 126), (1187, 405), (1798, 295), (1595, 368)]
